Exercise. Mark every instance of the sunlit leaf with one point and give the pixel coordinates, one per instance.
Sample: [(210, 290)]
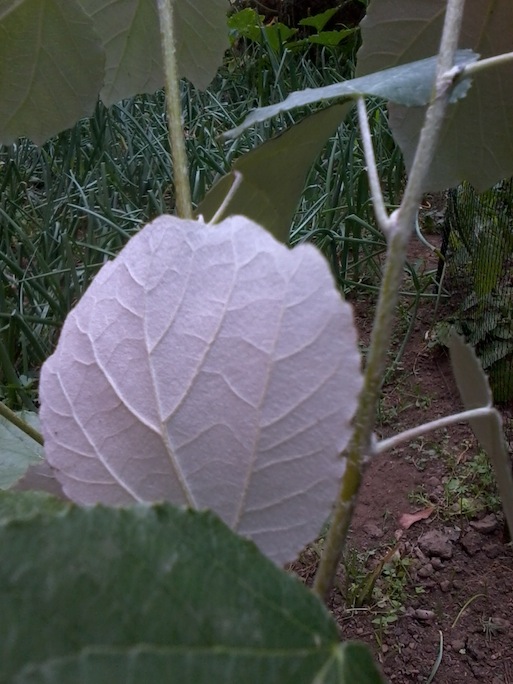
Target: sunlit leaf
[(476, 143), (208, 366)]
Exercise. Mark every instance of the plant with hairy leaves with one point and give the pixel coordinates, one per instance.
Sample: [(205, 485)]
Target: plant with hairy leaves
[(194, 371)]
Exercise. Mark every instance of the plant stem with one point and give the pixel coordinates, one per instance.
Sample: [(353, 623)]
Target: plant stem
[(408, 435), (484, 64), (14, 418), (398, 229), (174, 110)]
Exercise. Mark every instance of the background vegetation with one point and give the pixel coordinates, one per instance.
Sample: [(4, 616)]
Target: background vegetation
[(71, 204)]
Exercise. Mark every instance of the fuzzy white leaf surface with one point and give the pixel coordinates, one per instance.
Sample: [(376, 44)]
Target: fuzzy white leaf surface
[(212, 367)]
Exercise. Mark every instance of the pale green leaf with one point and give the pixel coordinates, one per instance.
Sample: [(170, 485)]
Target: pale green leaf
[(409, 84), (476, 142), (329, 37), (319, 21), (18, 451), (144, 594), (58, 56), (51, 67), (475, 392), (274, 174), (130, 33)]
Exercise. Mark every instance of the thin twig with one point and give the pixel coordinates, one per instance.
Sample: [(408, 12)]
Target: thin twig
[(419, 430), (401, 226), (485, 64), (426, 147), (378, 202)]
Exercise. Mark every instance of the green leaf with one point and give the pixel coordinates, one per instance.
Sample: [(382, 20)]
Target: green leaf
[(246, 23), (118, 595), (330, 37), (18, 451), (274, 174), (488, 260), (351, 662), (501, 379), (130, 33), (58, 56), (409, 84), (319, 21), (476, 142), (24, 506), (276, 35), (51, 67), (475, 392), (472, 382)]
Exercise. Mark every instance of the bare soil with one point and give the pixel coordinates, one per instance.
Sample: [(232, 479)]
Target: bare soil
[(442, 589)]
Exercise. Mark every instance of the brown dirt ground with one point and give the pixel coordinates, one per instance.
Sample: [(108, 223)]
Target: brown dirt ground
[(459, 606)]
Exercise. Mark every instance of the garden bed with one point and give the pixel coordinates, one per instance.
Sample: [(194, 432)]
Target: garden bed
[(439, 591)]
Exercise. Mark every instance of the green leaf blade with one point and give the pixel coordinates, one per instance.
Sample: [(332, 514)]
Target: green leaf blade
[(51, 68), (58, 56), (274, 174), (408, 84), (130, 34), (132, 594), (349, 663), (18, 451), (475, 392), (319, 21)]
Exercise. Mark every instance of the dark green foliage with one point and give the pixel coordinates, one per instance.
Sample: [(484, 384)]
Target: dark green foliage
[(154, 594), (479, 275)]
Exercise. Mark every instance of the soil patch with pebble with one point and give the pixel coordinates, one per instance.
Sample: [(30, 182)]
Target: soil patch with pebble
[(435, 596)]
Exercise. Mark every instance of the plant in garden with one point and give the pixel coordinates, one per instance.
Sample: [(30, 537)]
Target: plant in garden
[(210, 366)]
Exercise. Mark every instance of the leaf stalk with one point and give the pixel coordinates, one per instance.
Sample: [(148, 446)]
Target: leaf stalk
[(484, 64), (419, 430)]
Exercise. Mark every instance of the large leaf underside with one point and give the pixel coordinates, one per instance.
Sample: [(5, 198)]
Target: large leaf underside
[(407, 84), (208, 366)]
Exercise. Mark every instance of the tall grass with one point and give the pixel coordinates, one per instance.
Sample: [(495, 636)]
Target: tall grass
[(67, 207)]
